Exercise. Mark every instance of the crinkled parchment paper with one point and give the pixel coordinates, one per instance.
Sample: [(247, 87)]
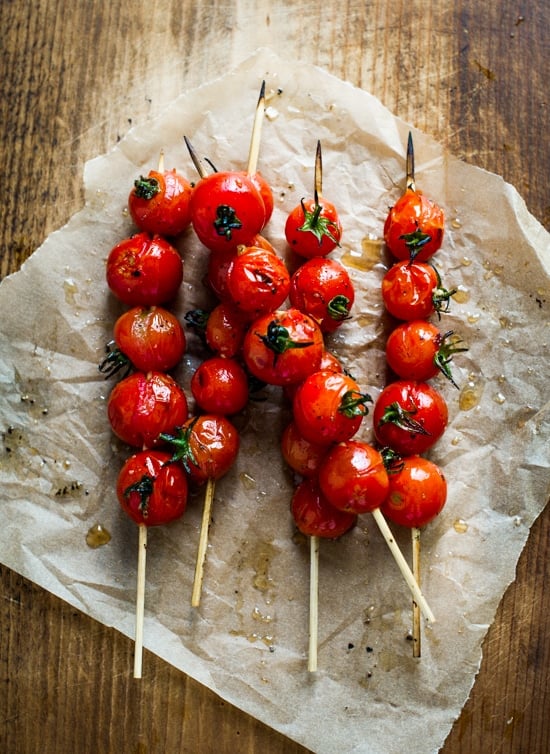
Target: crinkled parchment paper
[(248, 640)]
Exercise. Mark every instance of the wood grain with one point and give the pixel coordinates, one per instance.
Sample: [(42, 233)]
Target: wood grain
[(76, 75)]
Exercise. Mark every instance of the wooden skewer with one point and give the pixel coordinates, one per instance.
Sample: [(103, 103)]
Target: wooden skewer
[(254, 149), (313, 602), (416, 627), (201, 170), (140, 599), (318, 174), (161, 161), (403, 566), (410, 164), (203, 543)]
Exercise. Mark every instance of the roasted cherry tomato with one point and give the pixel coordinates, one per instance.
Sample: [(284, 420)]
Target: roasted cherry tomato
[(329, 407), (413, 290), (147, 338), (159, 203), (258, 281), (265, 192), (313, 228), (417, 492), (227, 210), (151, 489), (303, 456), (283, 347), (353, 477), (409, 417), (418, 350), (322, 288), (207, 446), (144, 270), (414, 227), (329, 362), (220, 263), (141, 406), (315, 516), (220, 386), (225, 329)]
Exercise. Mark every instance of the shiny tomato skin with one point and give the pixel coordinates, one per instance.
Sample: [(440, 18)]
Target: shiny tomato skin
[(225, 329), (144, 270), (329, 362), (227, 210), (319, 407), (220, 386), (304, 241), (141, 406), (265, 192), (159, 203), (258, 281), (151, 337), (353, 477), (417, 493), (213, 447), (299, 351), (418, 402), (323, 289), (160, 488), (315, 516), (411, 349), (303, 457), (408, 290), (414, 213)]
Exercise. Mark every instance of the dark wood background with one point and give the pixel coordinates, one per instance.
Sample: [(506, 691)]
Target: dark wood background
[(75, 76)]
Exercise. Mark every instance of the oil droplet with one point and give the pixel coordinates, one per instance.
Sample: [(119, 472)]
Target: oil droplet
[(70, 288), (261, 560), (499, 398), (249, 483), (470, 395), (455, 223), (473, 318), (460, 526), (518, 521), (455, 441), (462, 294), (97, 536), (261, 617), (505, 323), (465, 261), (367, 257)]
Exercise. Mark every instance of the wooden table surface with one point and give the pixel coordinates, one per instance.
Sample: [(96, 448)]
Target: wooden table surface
[(75, 76)]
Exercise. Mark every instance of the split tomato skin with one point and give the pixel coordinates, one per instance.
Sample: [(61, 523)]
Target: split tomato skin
[(258, 281), (353, 477), (144, 270), (303, 457), (152, 490), (220, 386), (313, 229), (417, 493), (227, 210), (315, 516), (409, 289), (409, 417), (142, 406), (225, 329), (283, 347), (328, 407), (159, 203), (323, 289), (414, 227), (411, 349), (152, 338)]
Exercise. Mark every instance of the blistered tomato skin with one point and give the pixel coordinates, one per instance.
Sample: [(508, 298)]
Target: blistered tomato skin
[(315, 516), (258, 281), (144, 270), (151, 490), (303, 457), (141, 406), (220, 386), (417, 493), (152, 338), (414, 227), (313, 229), (408, 290), (159, 203), (323, 289)]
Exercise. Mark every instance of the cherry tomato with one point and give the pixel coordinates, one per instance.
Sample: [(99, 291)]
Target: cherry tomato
[(322, 288), (227, 210), (159, 203), (151, 489), (409, 417), (353, 477), (417, 493), (283, 347), (413, 290), (414, 227), (220, 263), (315, 516), (418, 350), (149, 338), (328, 362), (225, 329), (220, 386), (207, 446), (303, 456), (313, 229), (265, 192), (141, 406), (144, 270), (329, 407), (257, 281)]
